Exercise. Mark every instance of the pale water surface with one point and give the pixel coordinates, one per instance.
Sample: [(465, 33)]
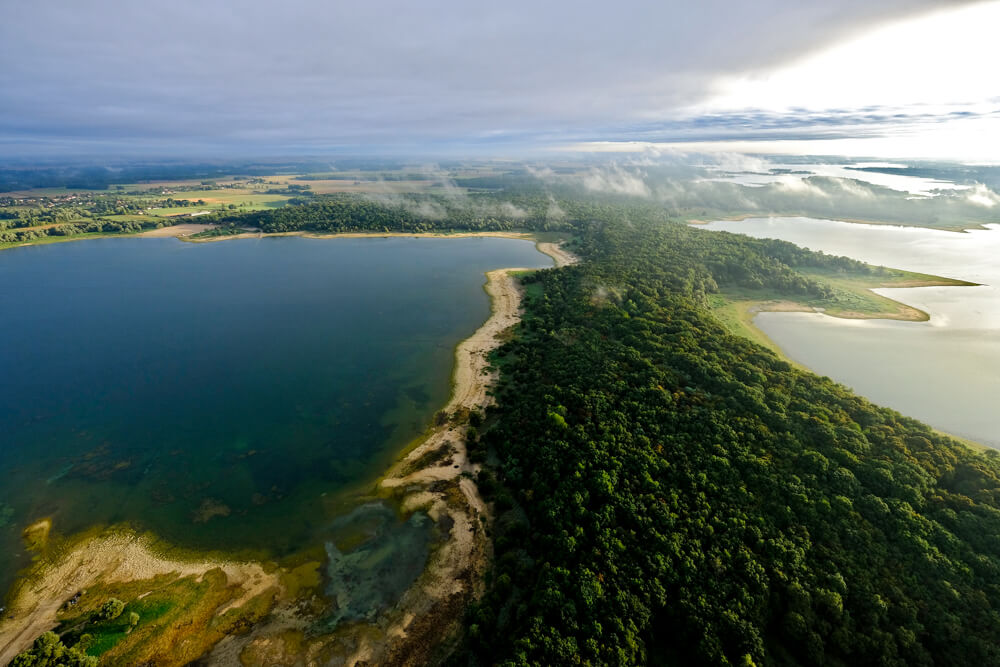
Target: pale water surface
[(946, 371)]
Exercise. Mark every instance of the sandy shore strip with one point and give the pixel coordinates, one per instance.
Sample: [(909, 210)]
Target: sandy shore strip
[(472, 377), (250, 234), (110, 557), (556, 251), (177, 231)]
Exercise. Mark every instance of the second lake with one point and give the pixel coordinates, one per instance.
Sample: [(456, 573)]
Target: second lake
[(946, 371)]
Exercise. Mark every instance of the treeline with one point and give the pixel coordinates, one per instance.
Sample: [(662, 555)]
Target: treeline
[(88, 206), (93, 177), (349, 213), (667, 493), (74, 229)]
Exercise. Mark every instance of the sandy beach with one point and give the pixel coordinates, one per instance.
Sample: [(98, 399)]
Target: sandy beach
[(177, 231), (338, 235)]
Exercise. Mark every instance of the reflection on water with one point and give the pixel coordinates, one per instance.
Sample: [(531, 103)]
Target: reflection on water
[(946, 377), (946, 371)]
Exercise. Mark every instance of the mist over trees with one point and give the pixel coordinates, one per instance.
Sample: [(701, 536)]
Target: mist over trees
[(691, 190)]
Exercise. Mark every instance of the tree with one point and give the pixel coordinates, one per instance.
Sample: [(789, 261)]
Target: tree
[(111, 609), (49, 651)]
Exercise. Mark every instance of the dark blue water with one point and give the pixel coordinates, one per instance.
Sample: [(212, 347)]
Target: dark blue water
[(222, 394)]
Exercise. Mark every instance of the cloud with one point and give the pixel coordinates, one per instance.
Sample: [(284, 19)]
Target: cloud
[(980, 195), (509, 210), (616, 180), (310, 76), (544, 174), (554, 211)]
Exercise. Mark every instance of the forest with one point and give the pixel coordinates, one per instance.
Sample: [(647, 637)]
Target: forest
[(667, 493)]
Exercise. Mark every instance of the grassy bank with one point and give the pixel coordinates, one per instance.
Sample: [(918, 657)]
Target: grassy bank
[(851, 298)]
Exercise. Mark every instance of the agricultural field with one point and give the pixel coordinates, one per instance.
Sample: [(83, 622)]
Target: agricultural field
[(56, 214), (49, 214)]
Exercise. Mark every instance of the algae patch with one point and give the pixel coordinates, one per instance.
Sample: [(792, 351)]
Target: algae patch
[(388, 555)]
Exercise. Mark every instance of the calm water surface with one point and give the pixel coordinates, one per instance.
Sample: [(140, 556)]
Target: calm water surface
[(222, 394), (946, 371)]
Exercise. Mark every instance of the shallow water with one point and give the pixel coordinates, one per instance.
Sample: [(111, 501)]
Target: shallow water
[(223, 394), (363, 580), (946, 371)]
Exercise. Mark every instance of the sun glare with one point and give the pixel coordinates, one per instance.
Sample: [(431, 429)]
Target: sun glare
[(937, 60)]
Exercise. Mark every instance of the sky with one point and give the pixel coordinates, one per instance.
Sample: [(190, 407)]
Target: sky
[(893, 78)]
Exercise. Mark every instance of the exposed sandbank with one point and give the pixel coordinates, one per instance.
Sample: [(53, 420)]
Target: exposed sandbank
[(177, 231), (903, 312)]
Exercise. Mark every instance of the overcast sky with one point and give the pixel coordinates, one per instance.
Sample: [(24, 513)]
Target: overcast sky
[(206, 78)]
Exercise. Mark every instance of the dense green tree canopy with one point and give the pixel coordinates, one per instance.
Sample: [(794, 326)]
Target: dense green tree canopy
[(671, 494), (49, 651)]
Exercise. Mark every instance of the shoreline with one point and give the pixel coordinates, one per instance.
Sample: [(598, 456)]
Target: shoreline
[(185, 232), (429, 610), (554, 250), (747, 309), (793, 307), (347, 235), (904, 312)]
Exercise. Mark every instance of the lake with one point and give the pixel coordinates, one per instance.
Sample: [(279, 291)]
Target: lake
[(945, 372), (225, 395)]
